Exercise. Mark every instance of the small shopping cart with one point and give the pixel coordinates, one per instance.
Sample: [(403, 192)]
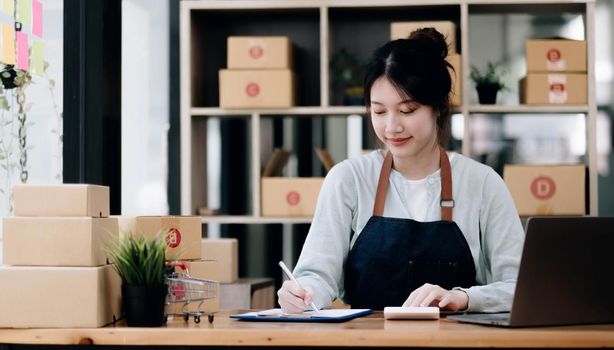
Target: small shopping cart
[(187, 291)]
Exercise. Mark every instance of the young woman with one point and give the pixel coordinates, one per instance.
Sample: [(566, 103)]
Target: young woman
[(413, 225)]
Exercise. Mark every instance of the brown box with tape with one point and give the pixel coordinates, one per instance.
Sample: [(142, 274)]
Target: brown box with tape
[(59, 241), (290, 196), (554, 88), (226, 252), (547, 189), (59, 297), (61, 200), (551, 55), (182, 234), (273, 88), (259, 52)]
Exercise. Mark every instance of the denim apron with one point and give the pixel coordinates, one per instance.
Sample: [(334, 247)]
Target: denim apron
[(392, 256)]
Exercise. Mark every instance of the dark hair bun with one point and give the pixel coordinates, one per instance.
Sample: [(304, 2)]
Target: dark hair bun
[(432, 41)]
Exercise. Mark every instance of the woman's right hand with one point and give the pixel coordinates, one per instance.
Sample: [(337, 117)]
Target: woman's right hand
[(294, 299)]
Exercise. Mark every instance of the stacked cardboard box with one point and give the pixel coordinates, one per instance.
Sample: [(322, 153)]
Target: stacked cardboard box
[(547, 189), (182, 235), (402, 30), (556, 72), (290, 196), (59, 274), (259, 73)]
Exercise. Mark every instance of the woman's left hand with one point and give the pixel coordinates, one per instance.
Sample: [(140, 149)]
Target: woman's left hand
[(434, 295)]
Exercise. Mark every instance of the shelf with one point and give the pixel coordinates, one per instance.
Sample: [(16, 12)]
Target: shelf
[(528, 109), (315, 110), (235, 219), (300, 111)]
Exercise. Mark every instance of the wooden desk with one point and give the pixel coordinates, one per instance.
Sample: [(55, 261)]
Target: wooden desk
[(369, 331)]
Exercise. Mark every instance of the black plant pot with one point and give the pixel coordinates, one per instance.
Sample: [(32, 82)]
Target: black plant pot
[(487, 94), (144, 305)]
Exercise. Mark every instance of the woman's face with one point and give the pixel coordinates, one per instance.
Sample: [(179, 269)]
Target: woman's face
[(407, 128)]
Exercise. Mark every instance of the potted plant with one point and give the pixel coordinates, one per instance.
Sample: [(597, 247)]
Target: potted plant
[(489, 83), (139, 261), (348, 71)]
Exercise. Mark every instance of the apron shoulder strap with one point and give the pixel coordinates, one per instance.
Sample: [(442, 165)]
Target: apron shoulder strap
[(382, 186), (447, 201)]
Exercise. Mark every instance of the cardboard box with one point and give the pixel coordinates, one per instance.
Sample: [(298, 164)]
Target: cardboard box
[(182, 233), (248, 293), (59, 297), (125, 223), (456, 97), (541, 88), (402, 30), (226, 252), (61, 200), (256, 88), (544, 55), (290, 196), (57, 241), (259, 52), (204, 270), (548, 189)]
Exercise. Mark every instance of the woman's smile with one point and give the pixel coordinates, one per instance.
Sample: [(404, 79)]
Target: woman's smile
[(398, 141)]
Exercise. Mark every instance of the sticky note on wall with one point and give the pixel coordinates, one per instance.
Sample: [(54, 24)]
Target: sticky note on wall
[(8, 7), (37, 53), (24, 11), (23, 58), (7, 46), (37, 18)]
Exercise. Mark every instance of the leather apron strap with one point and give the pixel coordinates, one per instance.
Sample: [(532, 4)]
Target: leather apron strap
[(447, 201)]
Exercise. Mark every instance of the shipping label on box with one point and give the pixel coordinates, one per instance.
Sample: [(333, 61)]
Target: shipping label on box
[(256, 88), (208, 289), (548, 189), (259, 52), (556, 55), (61, 200), (59, 241), (540, 88), (59, 297), (455, 74), (290, 196), (402, 30), (182, 234), (226, 252)]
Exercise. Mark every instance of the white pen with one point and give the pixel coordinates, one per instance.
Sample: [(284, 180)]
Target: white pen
[(290, 276)]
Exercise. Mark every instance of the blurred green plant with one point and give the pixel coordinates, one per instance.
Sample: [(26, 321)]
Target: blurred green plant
[(491, 77), (139, 261)]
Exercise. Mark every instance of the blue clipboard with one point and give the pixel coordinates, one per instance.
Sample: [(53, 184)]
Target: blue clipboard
[(276, 315)]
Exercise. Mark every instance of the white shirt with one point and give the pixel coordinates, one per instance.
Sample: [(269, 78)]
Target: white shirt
[(418, 194), (484, 211)]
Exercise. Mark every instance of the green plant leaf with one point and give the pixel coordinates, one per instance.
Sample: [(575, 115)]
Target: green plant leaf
[(139, 260)]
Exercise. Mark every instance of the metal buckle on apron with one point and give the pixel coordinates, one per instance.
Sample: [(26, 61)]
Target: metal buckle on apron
[(447, 203)]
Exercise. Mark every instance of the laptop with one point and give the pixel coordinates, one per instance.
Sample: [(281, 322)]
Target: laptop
[(566, 275)]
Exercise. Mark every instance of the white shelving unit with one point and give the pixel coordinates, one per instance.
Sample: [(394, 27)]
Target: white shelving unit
[(192, 178)]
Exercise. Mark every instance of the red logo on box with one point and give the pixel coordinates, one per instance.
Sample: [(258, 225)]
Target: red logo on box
[(543, 187), (173, 238), (178, 291), (557, 87), (256, 51), (252, 89), (553, 55), (293, 198)]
